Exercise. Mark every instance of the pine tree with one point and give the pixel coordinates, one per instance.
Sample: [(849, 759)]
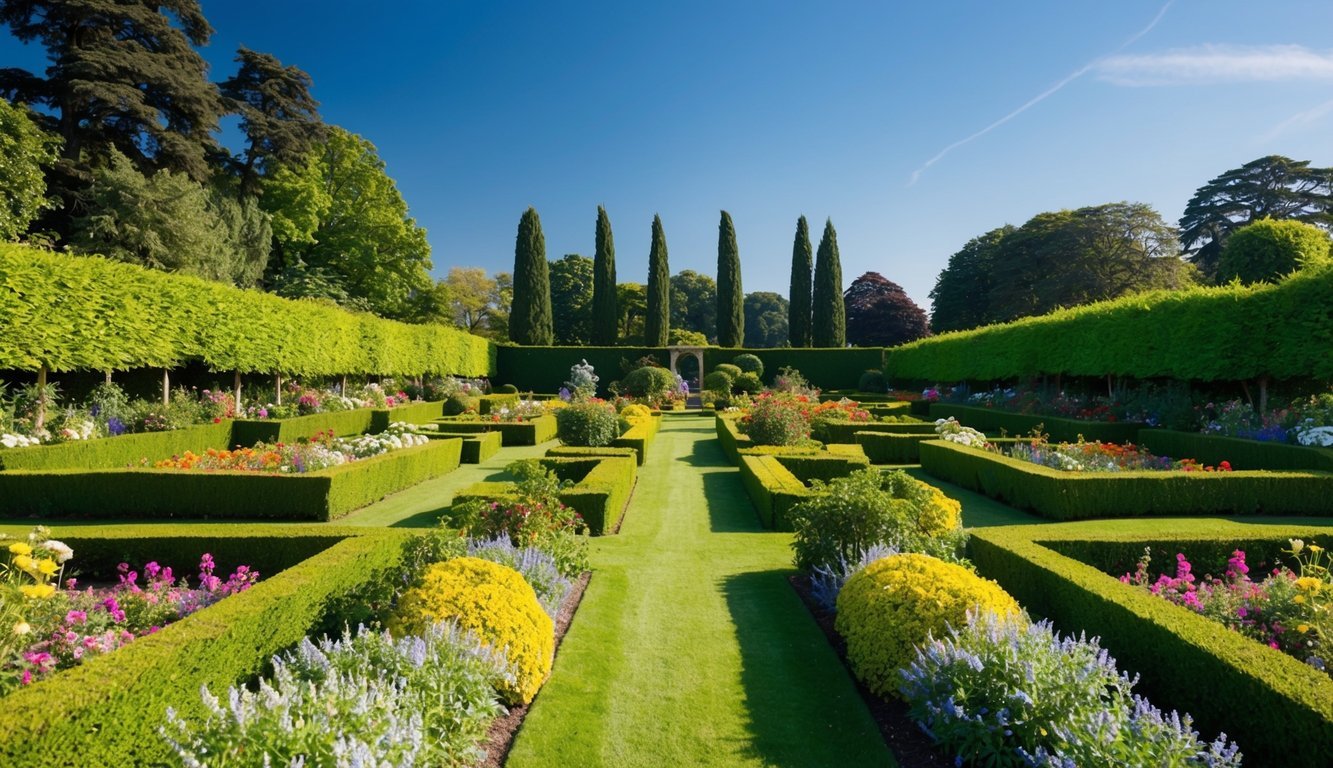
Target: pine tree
[(530, 318), (657, 323), (829, 314), (279, 117), (730, 298), (798, 310), (605, 313)]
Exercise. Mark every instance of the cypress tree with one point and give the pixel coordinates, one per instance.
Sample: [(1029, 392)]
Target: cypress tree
[(658, 323), (605, 313), (730, 298), (798, 310), (530, 317), (830, 315)]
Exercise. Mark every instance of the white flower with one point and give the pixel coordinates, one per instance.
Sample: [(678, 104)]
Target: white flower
[(60, 549), (1320, 437)]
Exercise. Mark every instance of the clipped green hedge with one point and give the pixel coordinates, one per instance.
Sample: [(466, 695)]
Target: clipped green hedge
[(601, 488), (583, 452), (152, 493), (78, 313), (248, 432), (477, 447), (994, 421), (1201, 334), (412, 413), (844, 431), (533, 432), (639, 437), (824, 368), (118, 452), (1243, 454), (1279, 710), (546, 369), (730, 437), (772, 488), (1079, 495), (107, 710), (892, 448), (493, 403)]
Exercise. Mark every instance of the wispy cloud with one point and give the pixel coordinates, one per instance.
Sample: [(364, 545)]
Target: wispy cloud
[(1298, 121), (1211, 64), (1039, 98)]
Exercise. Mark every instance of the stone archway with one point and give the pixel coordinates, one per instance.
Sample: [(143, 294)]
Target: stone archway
[(696, 352)]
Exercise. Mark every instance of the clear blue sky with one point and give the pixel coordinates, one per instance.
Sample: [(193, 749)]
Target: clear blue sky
[(772, 110)]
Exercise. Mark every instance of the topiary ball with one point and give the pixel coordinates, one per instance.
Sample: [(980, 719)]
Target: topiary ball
[(587, 424), (506, 389), (889, 607), (749, 363), (649, 383), (873, 381), (747, 383), (718, 381), (494, 602), (731, 370), (459, 403)]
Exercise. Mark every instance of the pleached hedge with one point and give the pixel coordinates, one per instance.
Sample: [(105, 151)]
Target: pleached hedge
[(322, 495), (1225, 333), (1064, 495), (1279, 710), (77, 313), (107, 710)]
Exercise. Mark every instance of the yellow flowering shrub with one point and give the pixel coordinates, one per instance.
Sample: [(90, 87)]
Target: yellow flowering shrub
[(941, 514), (493, 601), (636, 413), (889, 607)]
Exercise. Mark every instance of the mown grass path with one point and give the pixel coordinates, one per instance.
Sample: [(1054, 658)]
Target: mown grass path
[(690, 648)]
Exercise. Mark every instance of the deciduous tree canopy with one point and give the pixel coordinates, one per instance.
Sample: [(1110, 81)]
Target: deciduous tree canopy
[(881, 314), (765, 319)]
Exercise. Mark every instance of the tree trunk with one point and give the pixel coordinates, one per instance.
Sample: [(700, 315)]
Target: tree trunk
[(236, 395), (40, 418), (1263, 395), (166, 387), (277, 387), (108, 377)]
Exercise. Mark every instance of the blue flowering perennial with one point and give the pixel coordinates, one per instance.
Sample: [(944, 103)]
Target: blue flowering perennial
[(826, 580), (537, 566), (366, 699), (1006, 693)]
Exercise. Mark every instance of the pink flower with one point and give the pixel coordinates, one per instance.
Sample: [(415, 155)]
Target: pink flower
[(76, 617), (27, 677)]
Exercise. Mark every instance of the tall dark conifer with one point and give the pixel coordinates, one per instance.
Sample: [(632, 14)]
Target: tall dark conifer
[(279, 117), (730, 298), (829, 314), (657, 323), (530, 318), (798, 310), (605, 312)]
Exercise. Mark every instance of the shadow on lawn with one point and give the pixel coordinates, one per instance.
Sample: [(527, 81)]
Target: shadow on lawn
[(803, 708)]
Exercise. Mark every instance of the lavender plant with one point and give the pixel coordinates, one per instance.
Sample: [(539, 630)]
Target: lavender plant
[(826, 580), (538, 568), (1004, 693)]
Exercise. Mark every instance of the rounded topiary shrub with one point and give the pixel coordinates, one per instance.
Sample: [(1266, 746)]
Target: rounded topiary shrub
[(747, 383), (749, 363), (873, 381), (718, 381), (589, 424), (494, 602), (649, 383), (506, 389), (889, 607), (636, 413), (459, 403), (731, 370)]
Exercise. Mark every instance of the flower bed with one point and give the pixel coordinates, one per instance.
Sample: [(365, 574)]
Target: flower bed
[(321, 451), (994, 421), (599, 489), (1102, 457)]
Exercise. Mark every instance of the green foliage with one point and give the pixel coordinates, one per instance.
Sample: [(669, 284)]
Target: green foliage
[(994, 422), (108, 316), (829, 315), (111, 706), (118, 452), (480, 304), (587, 423), (649, 383), (597, 487), (765, 319), (873, 380), (605, 308), (957, 300), (1203, 334), (571, 299), (533, 432), (459, 403), (1187, 661), (506, 389), (730, 296), (694, 303), (749, 363), (893, 605), (279, 117), (340, 213), (845, 430), (732, 370), (687, 338), (891, 447), (28, 151), (631, 309), (1243, 454), (799, 310), (1269, 250), (657, 323), (1063, 495), (848, 515), (881, 314), (530, 319), (747, 384), (639, 436)]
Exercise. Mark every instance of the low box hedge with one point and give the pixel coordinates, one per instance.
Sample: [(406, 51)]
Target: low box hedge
[(581, 452), (477, 447), (152, 493), (118, 452), (772, 488), (534, 432), (1242, 454), (412, 413), (107, 710), (639, 437), (891, 447), (493, 403), (993, 421), (730, 437), (844, 431), (248, 432), (601, 488), (1279, 710), (1077, 495)]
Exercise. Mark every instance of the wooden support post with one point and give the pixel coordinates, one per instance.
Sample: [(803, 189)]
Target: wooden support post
[(166, 386), (236, 394), (40, 418)]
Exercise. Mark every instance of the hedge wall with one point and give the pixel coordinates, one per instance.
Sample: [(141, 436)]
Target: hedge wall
[(824, 368), (730, 438), (248, 432), (1077, 495), (107, 710), (413, 413), (772, 488), (534, 432), (844, 431), (639, 437), (153, 493), (477, 447), (601, 490), (1203, 334), (118, 452), (488, 403), (994, 421), (73, 313), (1243, 454), (891, 448), (1278, 709)]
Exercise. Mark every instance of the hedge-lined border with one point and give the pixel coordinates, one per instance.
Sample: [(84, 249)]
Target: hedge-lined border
[(994, 421), (120, 451), (1243, 454), (1062, 495), (109, 708), (844, 430), (891, 447), (775, 481), (730, 436), (1201, 334), (533, 432), (1187, 662), (601, 488), (78, 313), (639, 437), (152, 493), (477, 446)]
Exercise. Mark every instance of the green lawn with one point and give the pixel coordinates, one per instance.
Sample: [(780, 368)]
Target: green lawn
[(690, 647)]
